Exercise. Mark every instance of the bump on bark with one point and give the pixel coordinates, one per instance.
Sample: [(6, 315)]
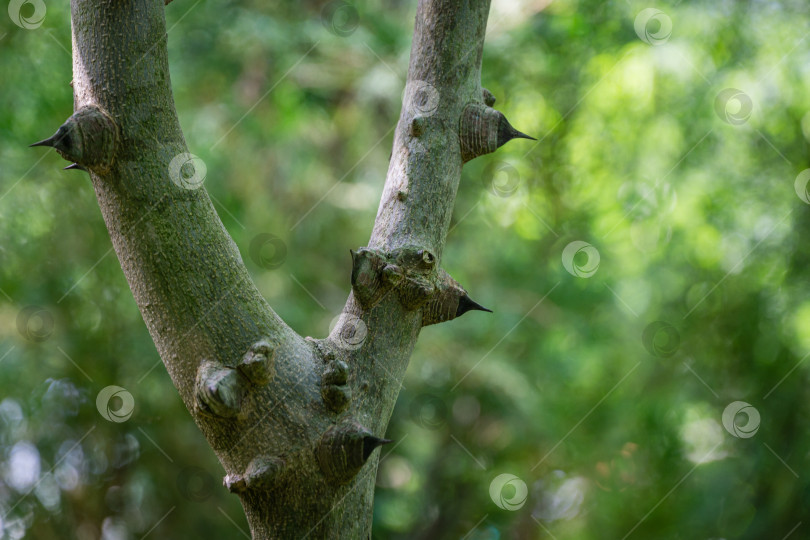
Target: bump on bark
[(343, 450), (488, 97), (407, 270), (413, 289), (367, 282), (336, 372), (258, 363), (261, 473), (337, 398), (219, 390), (418, 126), (449, 301), (483, 130), (89, 138), (411, 273), (334, 389)]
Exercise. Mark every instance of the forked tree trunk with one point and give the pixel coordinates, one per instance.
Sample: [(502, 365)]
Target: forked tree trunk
[(293, 421)]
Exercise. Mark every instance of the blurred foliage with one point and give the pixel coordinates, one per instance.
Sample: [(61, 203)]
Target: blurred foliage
[(604, 395)]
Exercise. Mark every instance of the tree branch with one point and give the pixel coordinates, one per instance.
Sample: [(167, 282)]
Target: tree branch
[(294, 422)]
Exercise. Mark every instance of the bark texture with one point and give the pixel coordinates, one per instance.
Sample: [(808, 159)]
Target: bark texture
[(294, 421)]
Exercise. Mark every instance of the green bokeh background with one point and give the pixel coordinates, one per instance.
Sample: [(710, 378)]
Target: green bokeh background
[(689, 200)]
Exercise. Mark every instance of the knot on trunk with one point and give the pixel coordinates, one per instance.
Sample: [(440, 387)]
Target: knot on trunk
[(483, 130), (220, 390), (411, 272), (89, 138), (344, 449), (258, 363), (261, 473), (367, 283), (407, 270), (335, 391), (488, 97)]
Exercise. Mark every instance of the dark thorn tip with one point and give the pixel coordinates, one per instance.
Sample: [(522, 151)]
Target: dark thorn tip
[(506, 132), (370, 443), (465, 304), (44, 142)]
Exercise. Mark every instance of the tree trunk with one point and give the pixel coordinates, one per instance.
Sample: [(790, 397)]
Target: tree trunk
[(293, 421)]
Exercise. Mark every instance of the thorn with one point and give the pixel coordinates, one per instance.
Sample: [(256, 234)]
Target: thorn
[(45, 142), (74, 166), (465, 304), (506, 132), (58, 140), (370, 443)]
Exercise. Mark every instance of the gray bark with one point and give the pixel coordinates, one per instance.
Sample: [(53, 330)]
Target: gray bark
[(294, 421)]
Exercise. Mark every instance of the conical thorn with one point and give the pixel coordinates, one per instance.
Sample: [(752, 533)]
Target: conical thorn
[(50, 141), (370, 443), (465, 304), (59, 140), (506, 132), (74, 166)]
